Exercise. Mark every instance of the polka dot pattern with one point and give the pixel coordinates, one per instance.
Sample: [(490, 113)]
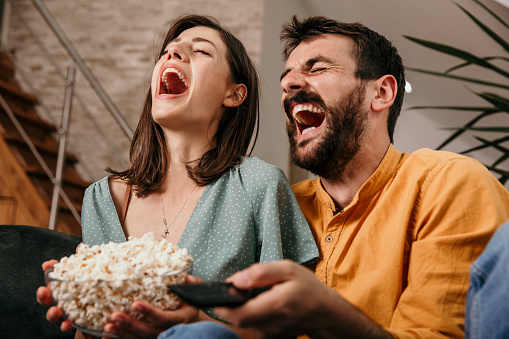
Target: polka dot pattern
[(248, 215)]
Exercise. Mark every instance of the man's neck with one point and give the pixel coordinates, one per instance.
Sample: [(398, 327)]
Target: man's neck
[(343, 189)]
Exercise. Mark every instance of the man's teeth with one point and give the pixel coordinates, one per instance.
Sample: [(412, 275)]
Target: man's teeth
[(306, 107), (301, 118), (309, 129), (176, 71)]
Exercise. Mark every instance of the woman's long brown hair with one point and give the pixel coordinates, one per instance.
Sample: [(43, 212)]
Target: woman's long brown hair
[(148, 153)]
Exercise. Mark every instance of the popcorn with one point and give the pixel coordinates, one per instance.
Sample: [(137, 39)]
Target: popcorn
[(99, 280)]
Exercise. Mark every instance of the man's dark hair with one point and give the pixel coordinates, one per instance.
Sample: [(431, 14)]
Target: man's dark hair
[(375, 55)]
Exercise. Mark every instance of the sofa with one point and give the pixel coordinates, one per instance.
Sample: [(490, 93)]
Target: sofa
[(23, 249)]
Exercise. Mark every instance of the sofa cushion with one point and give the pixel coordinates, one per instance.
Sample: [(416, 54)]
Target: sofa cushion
[(23, 249)]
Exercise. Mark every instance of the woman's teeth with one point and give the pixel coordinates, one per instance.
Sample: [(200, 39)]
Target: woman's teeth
[(165, 77)]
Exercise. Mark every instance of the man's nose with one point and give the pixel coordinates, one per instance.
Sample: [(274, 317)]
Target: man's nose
[(293, 81)]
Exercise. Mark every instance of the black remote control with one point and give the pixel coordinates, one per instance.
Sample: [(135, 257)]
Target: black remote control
[(212, 294)]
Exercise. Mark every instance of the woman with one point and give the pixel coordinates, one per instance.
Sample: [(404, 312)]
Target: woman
[(189, 181)]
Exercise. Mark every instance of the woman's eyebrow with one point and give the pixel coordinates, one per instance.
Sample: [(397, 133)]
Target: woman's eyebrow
[(197, 39)]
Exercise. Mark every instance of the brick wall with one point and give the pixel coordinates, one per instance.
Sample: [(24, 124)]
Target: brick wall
[(116, 38)]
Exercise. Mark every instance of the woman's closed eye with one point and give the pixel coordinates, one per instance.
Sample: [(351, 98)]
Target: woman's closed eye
[(201, 51)]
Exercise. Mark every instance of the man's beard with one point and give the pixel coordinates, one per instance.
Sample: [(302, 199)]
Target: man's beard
[(340, 142)]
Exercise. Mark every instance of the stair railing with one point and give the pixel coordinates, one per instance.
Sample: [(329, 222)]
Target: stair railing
[(71, 93), (39, 158)]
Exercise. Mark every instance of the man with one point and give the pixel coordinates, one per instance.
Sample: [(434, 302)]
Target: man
[(397, 232)]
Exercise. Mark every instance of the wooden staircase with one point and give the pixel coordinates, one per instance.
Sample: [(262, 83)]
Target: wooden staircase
[(25, 189)]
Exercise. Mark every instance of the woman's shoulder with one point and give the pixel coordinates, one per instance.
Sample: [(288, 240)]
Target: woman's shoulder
[(258, 166), (108, 186), (257, 175)]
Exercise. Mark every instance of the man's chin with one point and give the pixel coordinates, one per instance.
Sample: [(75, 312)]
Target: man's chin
[(305, 157)]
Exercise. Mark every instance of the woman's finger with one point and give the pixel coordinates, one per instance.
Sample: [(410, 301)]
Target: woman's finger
[(43, 295), (48, 264)]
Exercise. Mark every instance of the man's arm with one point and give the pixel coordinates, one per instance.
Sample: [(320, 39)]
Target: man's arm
[(297, 303)]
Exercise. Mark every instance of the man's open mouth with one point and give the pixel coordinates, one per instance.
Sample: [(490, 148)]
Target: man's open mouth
[(307, 117), (173, 82)]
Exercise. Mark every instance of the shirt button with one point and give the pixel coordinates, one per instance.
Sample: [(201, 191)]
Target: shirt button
[(330, 204), (329, 238)]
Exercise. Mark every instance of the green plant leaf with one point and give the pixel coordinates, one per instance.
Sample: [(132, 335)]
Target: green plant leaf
[(500, 160), (465, 64), (456, 77), (461, 130), (458, 53), (487, 30), (458, 108), (489, 129), (496, 100), (491, 12), (487, 143), (495, 144)]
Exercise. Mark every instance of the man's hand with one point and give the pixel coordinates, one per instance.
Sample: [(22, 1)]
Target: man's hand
[(297, 303)]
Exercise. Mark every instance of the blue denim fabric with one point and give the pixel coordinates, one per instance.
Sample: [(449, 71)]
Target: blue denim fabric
[(487, 314), (199, 330)]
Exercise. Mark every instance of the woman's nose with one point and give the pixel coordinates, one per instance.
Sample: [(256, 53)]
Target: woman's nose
[(175, 52), (175, 55)]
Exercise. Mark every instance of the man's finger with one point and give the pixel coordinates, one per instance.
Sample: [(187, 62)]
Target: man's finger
[(191, 279), (264, 274)]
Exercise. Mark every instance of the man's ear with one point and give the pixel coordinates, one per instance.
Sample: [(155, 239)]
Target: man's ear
[(237, 96), (386, 89)]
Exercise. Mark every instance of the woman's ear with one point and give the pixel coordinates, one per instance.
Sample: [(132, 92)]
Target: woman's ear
[(237, 96), (386, 90)]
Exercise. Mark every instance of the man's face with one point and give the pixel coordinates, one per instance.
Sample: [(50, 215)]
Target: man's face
[(324, 104)]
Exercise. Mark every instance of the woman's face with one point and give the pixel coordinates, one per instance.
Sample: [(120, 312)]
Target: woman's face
[(191, 80)]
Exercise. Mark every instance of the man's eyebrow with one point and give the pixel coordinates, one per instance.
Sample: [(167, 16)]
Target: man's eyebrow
[(308, 64), (320, 58), (288, 70)]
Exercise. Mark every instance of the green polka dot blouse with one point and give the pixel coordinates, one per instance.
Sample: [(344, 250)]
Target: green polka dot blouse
[(248, 215)]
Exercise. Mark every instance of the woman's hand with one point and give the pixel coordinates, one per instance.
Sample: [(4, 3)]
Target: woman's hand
[(154, 320), (54, 314)]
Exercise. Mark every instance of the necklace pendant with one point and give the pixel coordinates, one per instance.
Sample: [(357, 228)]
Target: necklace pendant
[(165, 234)]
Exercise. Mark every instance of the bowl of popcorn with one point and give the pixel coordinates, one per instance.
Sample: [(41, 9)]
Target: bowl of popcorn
[(99, 280)]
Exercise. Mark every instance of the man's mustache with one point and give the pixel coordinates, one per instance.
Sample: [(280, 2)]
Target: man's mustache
[(299, 98)]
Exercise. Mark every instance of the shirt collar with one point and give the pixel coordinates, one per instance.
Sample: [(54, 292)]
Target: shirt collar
[(382, 175)]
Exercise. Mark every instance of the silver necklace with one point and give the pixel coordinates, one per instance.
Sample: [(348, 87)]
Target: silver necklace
[(166, 225)]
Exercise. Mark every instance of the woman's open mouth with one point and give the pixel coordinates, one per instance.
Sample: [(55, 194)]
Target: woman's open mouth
[(173, 81)]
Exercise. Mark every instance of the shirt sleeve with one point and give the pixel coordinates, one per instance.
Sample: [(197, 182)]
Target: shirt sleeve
[(459, 209), (282, 230)]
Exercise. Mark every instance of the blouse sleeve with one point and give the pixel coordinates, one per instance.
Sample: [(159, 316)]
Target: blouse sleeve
[(99, 218), (282, 230)]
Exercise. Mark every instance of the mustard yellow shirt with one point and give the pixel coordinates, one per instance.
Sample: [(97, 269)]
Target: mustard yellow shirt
[(401, 250)]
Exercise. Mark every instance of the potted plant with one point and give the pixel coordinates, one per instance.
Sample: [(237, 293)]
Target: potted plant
[(495, 102)]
